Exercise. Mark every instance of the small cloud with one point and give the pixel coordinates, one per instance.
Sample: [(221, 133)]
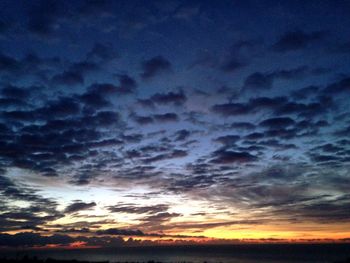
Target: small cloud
[(155, 66), (296, 40), (78, 206)]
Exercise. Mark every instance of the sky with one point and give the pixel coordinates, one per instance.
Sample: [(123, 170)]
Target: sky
[(130, 123)]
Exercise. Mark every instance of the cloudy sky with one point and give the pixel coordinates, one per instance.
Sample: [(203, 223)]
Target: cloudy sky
[(173, 122)]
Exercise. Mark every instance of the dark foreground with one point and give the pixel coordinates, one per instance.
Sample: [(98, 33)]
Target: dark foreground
[(50, 260), (266, 253)]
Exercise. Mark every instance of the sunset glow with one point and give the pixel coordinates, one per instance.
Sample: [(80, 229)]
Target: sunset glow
[(144, 123)]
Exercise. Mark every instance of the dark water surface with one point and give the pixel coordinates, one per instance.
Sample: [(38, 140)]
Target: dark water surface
[(211, 254)]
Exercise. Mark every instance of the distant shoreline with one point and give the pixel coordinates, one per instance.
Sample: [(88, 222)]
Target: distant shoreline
[(187, 246), (27, 259), (262, 253)]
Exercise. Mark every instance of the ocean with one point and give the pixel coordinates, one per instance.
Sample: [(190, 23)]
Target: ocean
[(281, 253)]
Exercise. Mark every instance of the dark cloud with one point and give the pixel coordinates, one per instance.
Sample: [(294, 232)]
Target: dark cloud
[(230, 157), (14, 92), (142, 120), (329, 147), (84, 67), (8, 64), (147, 103), (318, 209), (338, 87), (166, 117), (44, 17), (296, 40), (102, 52), (291, 74), (154, 66), (306, 92), (74, 230), (271, 139), (29, 65), (227, 139), (174, 98), (258, 81), (243, 125), (28, 239), (120, 232), (177, 98), (68, 78), (302, 109), (97, 8), (98, 93), (10, 102), (95, 99), (345, 131), (273, 143), (341, 48), (255, 136), (267, 102), (61, 107), (277, 122), (253, 105), (79, 206), (40, 210), (264, 81), (228, 109), (240, 55), (126, 84), (75, 74), (106, 238), (5, 26), (158, 220), (200, 225), (277, 106), (233, 65), (138, 172), (182, 135), (161, 217), (133, 209), (321, 158), (165, 156)]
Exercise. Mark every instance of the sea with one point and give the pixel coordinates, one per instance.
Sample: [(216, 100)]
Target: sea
[(275, 253)]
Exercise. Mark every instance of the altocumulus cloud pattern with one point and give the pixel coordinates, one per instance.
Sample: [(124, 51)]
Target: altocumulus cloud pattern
[(142, 122)]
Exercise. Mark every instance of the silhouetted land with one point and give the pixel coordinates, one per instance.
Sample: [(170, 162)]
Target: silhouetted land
[(245, 253), (49, 260), (27, 259)]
